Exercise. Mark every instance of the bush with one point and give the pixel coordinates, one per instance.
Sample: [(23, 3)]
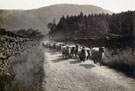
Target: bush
[(121, 60)]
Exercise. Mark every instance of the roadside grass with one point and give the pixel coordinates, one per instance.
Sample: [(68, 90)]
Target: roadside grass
[(121, 60), (22, 72), (29, 71)]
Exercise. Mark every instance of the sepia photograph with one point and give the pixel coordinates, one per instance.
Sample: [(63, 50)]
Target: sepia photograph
[(67, 45)]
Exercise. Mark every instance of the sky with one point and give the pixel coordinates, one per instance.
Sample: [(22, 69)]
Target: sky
[(116, 6)]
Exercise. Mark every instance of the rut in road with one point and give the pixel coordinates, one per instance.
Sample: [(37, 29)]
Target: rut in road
[(72, 75)]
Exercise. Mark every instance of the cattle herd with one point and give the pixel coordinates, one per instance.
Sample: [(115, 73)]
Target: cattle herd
[(83, 53)]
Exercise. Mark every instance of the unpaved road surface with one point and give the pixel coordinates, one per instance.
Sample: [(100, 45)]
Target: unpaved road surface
[(72, 75)]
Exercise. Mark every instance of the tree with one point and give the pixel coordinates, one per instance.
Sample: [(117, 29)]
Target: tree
[(51, 26)]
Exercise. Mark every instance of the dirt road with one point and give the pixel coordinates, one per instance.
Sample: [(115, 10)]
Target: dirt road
[(71, 75)]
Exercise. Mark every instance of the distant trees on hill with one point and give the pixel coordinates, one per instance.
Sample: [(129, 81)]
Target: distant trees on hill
[(89, 26), (122, 23), (52, 26), (82, 26), (22, 32), (29, 33)]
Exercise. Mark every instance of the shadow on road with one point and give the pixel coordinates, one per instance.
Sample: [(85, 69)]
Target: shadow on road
[(58, 60), (53, 53), (75, 62), (87, 66)]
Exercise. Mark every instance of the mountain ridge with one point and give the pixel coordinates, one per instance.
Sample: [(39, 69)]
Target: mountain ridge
[(39, 18)]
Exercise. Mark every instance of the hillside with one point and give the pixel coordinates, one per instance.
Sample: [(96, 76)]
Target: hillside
[(39, 18)]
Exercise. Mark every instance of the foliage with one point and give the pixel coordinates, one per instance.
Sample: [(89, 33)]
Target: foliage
[(29, 33), (22, 33), (52, 26), (82, 25), (89, 26), (122, 23)]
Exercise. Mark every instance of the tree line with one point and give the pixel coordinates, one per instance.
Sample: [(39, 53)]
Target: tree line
[(93, 25), (29, 33)]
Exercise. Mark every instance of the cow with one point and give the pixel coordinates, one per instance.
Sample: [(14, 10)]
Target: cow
[(58, 46), (72, 51), (97, 54), (77, 50), (51, 46), (88, 50), (66, 51), (44, 45), (83, 54), (54, 47)]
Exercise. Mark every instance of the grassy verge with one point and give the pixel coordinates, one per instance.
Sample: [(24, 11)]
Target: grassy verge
[(29, 71), (121, 60), (21, 64)]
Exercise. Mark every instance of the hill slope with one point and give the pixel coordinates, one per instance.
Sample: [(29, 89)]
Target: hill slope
[(39, 18)]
